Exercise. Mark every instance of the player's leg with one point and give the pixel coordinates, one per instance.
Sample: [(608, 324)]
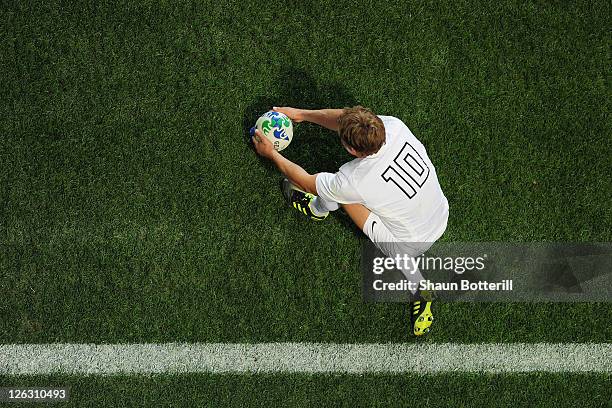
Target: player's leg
[(317, 208), (303, 201), (379, 234), (421, 317), (358, 213), (321, 206)]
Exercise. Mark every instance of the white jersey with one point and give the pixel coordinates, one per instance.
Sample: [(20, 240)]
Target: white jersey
[(398, 184)]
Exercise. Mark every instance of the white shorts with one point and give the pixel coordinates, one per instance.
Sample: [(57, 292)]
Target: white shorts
[(380, 235)]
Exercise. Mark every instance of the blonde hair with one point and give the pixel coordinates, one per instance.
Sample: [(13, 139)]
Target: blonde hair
[(361, 129)]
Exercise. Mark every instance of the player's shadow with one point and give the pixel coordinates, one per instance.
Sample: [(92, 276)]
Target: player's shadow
[(313, 147)]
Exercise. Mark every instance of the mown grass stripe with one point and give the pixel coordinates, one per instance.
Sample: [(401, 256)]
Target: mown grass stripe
[(108, 359)]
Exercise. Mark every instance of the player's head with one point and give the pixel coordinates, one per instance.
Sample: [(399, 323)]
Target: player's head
[(361, 132)]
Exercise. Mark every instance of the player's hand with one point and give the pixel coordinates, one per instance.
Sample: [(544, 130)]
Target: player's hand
[(262, 145), (296, 115)]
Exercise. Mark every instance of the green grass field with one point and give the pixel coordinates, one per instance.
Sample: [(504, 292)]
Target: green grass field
[(132, 208), (535, 390)]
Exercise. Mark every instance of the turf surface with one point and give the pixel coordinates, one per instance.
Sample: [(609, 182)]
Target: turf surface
[(534, 390), (132, 208)]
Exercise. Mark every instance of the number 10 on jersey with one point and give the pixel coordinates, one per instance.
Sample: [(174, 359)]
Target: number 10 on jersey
[(408, 171)]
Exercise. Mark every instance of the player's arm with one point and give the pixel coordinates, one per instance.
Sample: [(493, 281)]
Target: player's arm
[(324, 117), (296, 174)]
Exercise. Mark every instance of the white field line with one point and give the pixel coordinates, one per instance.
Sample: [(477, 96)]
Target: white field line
[(108, 359)]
